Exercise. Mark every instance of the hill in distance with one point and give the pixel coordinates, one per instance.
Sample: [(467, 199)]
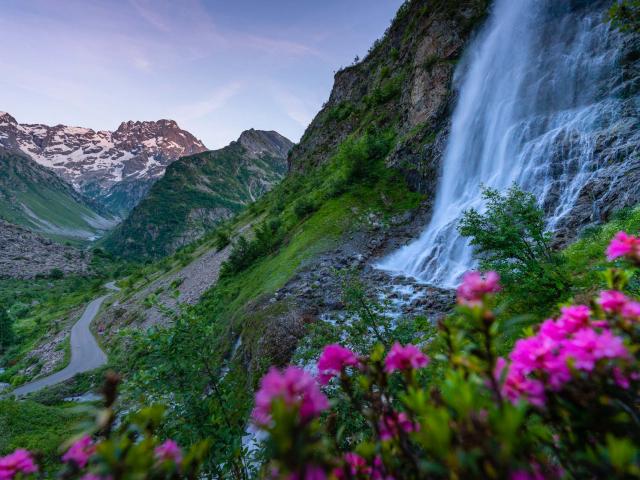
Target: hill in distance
[(199, 191), (34, 197)]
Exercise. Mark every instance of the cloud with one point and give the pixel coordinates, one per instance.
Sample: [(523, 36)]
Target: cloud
[(299, 110), (214, 101)]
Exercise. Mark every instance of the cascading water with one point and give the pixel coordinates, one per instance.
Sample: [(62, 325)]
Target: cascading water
[(537, 88)]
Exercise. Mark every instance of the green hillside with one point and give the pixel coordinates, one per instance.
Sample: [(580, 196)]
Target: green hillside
[(198, 192), (32, 196)]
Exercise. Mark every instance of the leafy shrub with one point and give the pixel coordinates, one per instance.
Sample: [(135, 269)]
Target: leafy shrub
[(56, 274), (6, 329), (388, 90), (564, 404), (303, 207), (510, 238)]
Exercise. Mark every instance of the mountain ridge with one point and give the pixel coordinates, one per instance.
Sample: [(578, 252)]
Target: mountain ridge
[(114, 168), (199, 191)]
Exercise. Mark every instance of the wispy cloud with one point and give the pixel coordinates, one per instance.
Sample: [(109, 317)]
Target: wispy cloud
[(214, 101), (298, 109)]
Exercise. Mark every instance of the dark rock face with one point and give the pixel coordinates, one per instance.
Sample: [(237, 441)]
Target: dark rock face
[(24, 254), (95, 163)]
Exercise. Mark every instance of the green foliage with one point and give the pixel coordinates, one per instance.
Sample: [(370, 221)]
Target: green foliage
[(39, 428), (40, 307), (6, 329), (389, 89), (510, 238), (56, 274), (340, 112), (625, 15), (584, 257)]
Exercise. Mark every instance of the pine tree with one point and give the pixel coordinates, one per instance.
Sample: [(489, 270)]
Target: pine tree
[(6, 329)]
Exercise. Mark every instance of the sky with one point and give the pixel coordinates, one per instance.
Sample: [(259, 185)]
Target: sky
[(217, 67)]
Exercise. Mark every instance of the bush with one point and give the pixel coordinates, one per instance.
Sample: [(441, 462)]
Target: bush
[(56, 274), (6, 330), (564, 404), (510, 238)]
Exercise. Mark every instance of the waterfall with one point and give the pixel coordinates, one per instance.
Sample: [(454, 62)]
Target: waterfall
[(538, 86)]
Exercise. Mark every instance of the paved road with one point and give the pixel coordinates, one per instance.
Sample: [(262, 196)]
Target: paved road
[(86, 354)]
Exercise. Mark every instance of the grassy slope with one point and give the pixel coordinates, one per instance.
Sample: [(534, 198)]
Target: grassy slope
[(23, 182), (210, 180), (36, 427)]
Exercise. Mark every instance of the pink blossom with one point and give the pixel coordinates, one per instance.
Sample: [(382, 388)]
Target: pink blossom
[(80, 452), (390, 425), (17, 462), (295, 387), (631, 310), (311, 472), (333, 359), (623, 245), (169, 451), (620, 379), (404, 358), (612, 301), (474, 287), (525, 475), (355, 466)]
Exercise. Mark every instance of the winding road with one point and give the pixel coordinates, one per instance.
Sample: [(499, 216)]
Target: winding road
[(86, 354)]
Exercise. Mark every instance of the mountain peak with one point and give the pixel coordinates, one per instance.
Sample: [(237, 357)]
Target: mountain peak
[(93, 162), (260, 142), (6, 118)]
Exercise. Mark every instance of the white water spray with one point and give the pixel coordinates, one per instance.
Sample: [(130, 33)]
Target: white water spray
[(537, 87)]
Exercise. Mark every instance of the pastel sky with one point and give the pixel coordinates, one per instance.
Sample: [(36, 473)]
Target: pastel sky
[(217, 67)]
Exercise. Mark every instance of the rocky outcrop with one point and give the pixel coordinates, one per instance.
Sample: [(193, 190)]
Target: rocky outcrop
[(24, 255), (406, 84), (96, 162)]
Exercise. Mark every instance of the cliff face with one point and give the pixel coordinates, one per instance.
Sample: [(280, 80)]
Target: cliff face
[(405, 83)]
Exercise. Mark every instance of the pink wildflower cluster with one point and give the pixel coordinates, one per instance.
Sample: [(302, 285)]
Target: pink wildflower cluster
[(390, 425), (333, 360), (573, 342), (18, 462), (295, 387), (475, 287), (404, 358), (357, 467), (624, 245), (617, 303), (169, 451), (80, 452)]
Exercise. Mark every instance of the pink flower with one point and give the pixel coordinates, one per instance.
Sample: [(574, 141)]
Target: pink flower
[(390, 425), (623, 245), (333, 359), (356, 467), (474, 287), (311, 472), (631, 310), (169, 451), (612, 301), (404, 358), (80, 452), (17, 462), (295, 387)]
